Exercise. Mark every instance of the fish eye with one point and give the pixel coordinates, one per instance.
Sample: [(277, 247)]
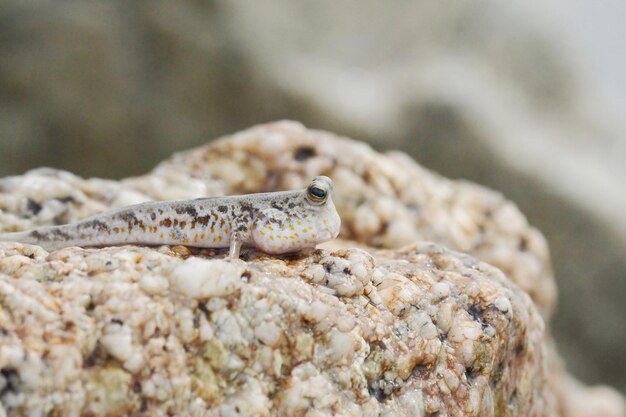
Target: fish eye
[(316, 193)]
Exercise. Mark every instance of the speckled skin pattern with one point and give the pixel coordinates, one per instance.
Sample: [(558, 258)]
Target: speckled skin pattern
[(276, 223)]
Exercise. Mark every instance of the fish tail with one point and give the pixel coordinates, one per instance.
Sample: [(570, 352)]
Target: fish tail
[(20, 237), (33, 237)]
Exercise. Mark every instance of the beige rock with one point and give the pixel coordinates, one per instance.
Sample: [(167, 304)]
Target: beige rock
[(279, 334), (481, 109), (417, 330)]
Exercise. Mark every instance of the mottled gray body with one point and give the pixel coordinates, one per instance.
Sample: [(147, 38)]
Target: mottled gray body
[(278, 222)]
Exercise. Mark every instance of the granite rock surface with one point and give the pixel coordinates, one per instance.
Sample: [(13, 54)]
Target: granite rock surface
[(174, 332), (489, 91), (413, 329)]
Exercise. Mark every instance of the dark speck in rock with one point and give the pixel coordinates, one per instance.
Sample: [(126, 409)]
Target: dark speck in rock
[(11, 380), (66, 200), (33, 206), (303, 153)]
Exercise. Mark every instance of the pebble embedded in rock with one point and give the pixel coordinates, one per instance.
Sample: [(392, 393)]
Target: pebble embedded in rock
[(203, 278)]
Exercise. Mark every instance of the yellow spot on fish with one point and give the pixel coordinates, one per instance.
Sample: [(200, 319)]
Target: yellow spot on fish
[(291, 227), (116, 229), (299, 223), (272, 237), (212, 230), (161, 235), (202, 236), (219, 238), (262, 232), (313, 236), (305, 230), (195, 238)]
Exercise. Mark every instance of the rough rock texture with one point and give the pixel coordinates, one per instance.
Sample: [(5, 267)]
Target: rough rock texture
[(341, 331), (490, 91), (413, 332)]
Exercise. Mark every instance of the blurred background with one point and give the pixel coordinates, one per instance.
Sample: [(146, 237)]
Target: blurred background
[(526, 98)]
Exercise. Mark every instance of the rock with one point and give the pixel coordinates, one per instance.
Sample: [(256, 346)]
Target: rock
[(495, 92), (412, 330), (276, 332)]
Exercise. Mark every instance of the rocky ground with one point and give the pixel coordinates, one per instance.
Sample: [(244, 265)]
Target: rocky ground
[(493, 92), (373, 323)]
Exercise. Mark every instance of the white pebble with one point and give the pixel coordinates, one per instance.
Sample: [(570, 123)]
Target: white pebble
[(451, 379), (341, 346), (316, 311), (134, 363), (378, 275), (186, 328), (466, 352), (441, 290), (472, 332), (472, 290), (10, 355), (401, 232), (386, 207), (117, 341), (345, 323), (462, 329), (366, 221), (372, 293), (503, 304), (273, 142), (412, 401), (268, 333), (428, 331), (153, 284), (201, 278), (206, 331), (359, 270), (316, 273)]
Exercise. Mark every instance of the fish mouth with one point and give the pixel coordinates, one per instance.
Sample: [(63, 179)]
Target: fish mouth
[(327, 233), (328, 224)]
